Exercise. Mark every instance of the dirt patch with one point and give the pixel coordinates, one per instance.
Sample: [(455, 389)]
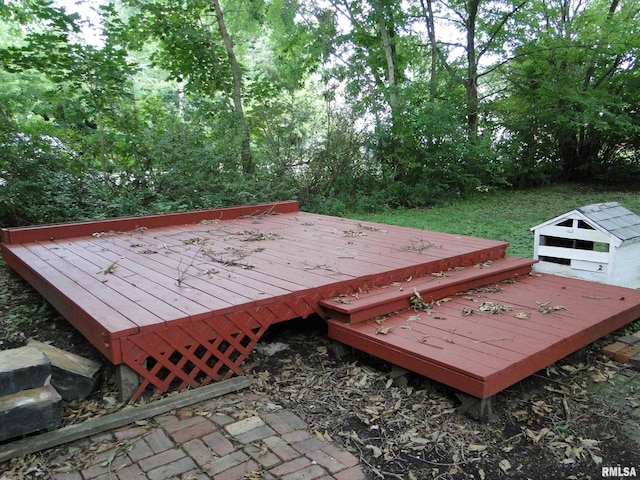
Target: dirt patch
[(550, 426)]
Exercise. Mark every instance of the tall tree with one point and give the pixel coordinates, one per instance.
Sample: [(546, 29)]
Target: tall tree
[(236, 75), (91, 77), (433, 45), (483, 24), (371, 57), (574, 87), (366, 52), (195, 46)]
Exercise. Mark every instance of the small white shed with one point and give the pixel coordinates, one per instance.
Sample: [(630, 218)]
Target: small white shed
[(599, 242)]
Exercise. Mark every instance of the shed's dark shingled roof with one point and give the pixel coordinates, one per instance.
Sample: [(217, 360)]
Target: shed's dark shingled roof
[(614, 218)]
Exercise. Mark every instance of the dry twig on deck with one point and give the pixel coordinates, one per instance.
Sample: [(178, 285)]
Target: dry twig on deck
[(110, 233), (256, 236), (229, 262), (489, 340), (371, 229), (209, 221), (253, 235), (354, 233), (111, 268), (323, 266), (418, 245), (424, 339), (183, 272), (193, 241), (257, 216)]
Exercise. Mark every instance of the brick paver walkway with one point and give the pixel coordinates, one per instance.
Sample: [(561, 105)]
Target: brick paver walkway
[(239, 436)]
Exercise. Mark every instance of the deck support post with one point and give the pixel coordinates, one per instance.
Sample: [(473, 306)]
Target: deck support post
[(339, 349), (478, 408), (128, 382), (399, 375)]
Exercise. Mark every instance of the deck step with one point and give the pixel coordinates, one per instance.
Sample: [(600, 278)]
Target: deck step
[(355, 308)]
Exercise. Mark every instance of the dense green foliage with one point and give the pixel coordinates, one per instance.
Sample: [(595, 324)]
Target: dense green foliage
[(343, 105)]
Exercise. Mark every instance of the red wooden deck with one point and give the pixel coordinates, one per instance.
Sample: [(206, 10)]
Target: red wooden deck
[(183, 298)]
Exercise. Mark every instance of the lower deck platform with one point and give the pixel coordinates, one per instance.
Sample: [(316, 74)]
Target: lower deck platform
[(483, 340), (182, 299)]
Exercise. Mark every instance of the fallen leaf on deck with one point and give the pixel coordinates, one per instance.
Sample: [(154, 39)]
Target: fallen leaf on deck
[(383, 330), (494, 308), (545, 308)]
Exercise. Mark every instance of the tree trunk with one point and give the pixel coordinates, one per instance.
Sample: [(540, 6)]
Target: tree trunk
[(471, 82), (388, 55), (245, 155), (431, 29), (569, 154)]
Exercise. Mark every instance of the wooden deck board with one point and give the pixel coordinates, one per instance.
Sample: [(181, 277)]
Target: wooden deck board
[(99, 322), (582, 306), (333, 253), (190, 294), (84, 276), (79, 229), (533, 328), (165, 275), (159, 283)]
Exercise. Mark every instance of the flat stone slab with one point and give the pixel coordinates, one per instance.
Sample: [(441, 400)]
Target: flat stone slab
[(629, 339), (244, 426), (73, 376), (23, 368), (29, 411)]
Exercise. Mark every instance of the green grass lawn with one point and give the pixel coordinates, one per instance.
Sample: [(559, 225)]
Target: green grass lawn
[(505, 215)]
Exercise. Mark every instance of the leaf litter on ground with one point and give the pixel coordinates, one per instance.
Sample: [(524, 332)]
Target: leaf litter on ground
[(410, 428)]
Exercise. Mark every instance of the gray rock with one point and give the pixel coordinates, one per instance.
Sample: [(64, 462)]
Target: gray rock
[(23, 368), (73, 376), (29, 411)]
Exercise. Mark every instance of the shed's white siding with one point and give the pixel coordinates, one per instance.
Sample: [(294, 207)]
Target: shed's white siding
[(625, 263), (600, 243)]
